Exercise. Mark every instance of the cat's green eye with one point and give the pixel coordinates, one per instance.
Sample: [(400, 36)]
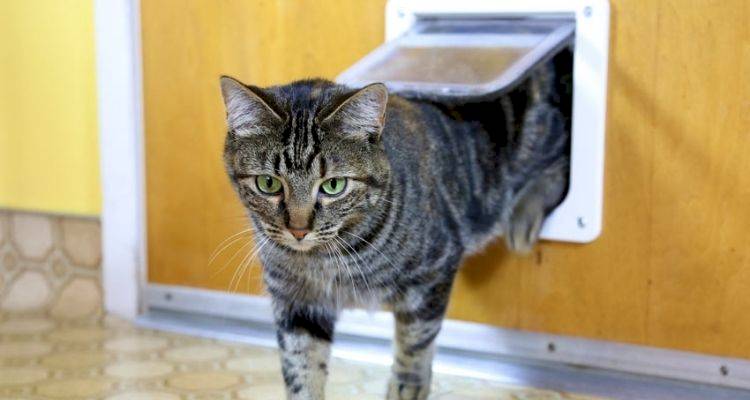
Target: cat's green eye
[(333, 186), (268, 184)]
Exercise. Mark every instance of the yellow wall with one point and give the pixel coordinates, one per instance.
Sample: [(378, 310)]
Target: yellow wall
[(48, 128)]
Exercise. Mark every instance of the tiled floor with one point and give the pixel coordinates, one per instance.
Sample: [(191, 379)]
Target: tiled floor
[(49, 265), (44, 358)]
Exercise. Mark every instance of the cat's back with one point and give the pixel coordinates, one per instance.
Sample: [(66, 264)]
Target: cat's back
[(417, 136), (450, 162)]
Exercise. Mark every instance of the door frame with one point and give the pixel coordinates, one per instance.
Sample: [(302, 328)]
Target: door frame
[(120, 107), (124, 243)]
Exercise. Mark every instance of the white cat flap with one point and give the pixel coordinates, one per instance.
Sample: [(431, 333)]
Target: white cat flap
[(462, 57), (445, 50)]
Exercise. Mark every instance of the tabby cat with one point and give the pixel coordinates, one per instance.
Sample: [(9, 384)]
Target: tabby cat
[(361, 198)]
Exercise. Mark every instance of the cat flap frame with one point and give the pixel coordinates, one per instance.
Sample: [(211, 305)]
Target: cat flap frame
[(515, 36)]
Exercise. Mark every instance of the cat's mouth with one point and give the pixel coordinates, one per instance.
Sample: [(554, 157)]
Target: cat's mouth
[(313, 243), (303, 245), (291, 239), (306, 243)]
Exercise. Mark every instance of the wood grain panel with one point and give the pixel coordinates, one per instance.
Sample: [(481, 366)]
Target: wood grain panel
[(187, 45), (672, 262), (672, 267), (701, 181)]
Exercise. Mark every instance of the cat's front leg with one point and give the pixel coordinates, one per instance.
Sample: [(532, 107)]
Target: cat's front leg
[(304, 335), (419, 317)]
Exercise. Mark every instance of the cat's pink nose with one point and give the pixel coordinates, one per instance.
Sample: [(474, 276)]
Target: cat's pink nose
[(299, 234)]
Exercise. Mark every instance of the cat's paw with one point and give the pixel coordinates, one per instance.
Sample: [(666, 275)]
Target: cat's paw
[(398, 390), (523, 226)]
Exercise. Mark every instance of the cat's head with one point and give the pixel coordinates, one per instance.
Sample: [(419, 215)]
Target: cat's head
[(306, 158)]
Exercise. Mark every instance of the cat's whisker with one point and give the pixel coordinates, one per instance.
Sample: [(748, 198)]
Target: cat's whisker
[(373, 247), (247, 285), (239, 272), (356, 264), (249, 266), (346, 268), (337, 279), (245, 269), (340, 267), (256, 253), (226, 243), (238, 268), (226, 264)]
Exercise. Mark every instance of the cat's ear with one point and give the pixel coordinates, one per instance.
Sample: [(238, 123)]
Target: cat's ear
[(247, 112), (363, 113)]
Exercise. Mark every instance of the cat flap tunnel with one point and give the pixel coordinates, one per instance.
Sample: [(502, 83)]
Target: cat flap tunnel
[(480, 56)]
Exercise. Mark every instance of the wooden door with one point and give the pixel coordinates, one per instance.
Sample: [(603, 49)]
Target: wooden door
[(672, 267)]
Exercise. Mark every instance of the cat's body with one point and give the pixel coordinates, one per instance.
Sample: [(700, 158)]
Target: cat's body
[(426, 187)]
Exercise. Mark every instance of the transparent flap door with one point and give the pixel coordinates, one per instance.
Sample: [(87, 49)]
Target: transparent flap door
[(461, 57)]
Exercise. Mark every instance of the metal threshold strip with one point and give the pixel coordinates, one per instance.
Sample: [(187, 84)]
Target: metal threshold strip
[(507, 370), (610, 370)]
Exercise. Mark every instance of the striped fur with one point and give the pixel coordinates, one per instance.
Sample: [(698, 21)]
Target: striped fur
[(428, 185)]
